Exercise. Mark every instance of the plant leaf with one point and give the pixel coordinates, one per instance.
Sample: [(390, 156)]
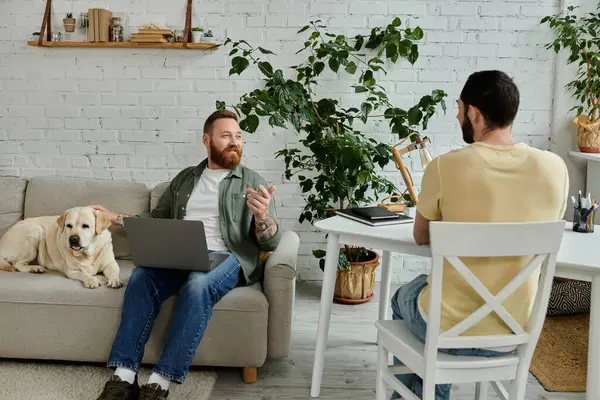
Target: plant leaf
[(326, 107), (265, 68), (265, 51), (414, 54), (414, 115), (334, 64), (360, 40), (318, 67), (418, 33), (238, 65), (351, 67), (368, 79), (319, 253), (250, 123), (365, 109)]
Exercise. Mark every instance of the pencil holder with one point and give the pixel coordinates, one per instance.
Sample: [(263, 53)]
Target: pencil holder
[(583, 220)]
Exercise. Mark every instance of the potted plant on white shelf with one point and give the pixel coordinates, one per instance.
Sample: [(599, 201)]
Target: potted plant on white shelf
[(197, 33), (69, 22), (410, 209), (580, 37)]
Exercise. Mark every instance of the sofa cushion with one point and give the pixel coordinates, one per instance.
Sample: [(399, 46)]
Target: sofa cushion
[(54, 195), (53, 287), (12, 200)]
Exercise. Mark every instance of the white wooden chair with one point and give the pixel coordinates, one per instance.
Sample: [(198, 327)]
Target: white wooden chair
[(450, 240)]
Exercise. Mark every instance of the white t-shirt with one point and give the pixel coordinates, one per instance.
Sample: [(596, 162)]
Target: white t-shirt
[(203, 205)]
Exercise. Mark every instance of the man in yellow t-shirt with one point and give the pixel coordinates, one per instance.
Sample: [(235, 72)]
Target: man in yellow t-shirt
[(493, 179)]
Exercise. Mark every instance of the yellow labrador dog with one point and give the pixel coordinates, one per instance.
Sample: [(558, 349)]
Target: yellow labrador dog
[(77, 243)]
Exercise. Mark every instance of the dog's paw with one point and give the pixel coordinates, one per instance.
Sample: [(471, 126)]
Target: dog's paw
[(114, 283), (91, 283), (37, 269)]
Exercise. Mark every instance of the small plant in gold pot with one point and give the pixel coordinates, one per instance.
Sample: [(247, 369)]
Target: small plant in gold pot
[(69, 22), (580, 37), (355, 280)]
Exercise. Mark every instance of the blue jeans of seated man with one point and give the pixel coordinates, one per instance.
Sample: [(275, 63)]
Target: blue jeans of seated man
[(146, 290), (405, 307)]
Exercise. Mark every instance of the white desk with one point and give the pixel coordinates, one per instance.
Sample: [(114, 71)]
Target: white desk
[(578, 258)]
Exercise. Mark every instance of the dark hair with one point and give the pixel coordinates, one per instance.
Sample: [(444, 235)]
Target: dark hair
[(495, 94), (219, 114)]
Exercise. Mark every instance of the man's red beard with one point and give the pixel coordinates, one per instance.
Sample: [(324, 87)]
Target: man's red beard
[(228, 158)]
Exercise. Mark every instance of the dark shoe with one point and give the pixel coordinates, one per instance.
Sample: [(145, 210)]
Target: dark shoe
[(153, 392), (118, 389)]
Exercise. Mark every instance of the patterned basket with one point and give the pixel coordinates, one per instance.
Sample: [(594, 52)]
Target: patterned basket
[(356, 284), (588, 134), (569, 297)]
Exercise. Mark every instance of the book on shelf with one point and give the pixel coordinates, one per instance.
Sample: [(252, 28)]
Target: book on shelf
[(140, 38), (374, 216), (151, 36), (99, 24), (146, 31)]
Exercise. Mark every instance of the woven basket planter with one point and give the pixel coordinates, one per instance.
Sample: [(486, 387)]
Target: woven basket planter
[(588, 134), (356, 284)]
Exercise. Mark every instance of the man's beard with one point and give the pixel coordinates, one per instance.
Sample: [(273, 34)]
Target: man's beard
[(467, 130), (226, 158)]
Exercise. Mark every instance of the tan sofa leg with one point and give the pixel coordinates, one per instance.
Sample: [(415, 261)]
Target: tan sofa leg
[(249, 374)]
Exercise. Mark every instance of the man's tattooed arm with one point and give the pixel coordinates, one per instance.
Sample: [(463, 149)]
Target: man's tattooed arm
[(266, 228)]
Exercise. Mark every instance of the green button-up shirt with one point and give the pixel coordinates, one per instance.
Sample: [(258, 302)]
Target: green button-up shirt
[(236, 220)]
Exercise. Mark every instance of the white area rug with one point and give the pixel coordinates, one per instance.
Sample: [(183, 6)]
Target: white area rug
[(50, 381)]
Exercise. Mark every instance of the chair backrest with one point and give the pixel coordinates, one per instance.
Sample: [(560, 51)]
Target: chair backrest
[(451, 240)]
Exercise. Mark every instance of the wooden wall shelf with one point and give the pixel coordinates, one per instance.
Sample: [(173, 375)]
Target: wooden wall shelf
[(178, 45), (186, 44)]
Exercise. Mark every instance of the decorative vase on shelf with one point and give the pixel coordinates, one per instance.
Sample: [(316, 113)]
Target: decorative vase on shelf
[(116, 30), (69, 23), (197, 36)]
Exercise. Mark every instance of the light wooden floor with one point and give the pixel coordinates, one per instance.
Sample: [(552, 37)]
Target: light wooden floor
[(349, 362)]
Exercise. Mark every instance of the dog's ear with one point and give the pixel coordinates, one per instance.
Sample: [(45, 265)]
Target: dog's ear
[(102, 221), (61, 221)]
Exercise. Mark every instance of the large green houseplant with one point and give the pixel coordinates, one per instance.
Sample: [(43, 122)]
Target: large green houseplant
[(580, 37), (336, 165)]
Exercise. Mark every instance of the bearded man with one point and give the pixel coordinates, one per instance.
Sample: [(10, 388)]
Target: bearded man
[(235, 206)]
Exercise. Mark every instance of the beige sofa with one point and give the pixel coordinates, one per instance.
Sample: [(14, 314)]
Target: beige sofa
[(51, 317)]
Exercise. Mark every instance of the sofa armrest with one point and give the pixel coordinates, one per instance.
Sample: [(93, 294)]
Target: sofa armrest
[(279, 285)]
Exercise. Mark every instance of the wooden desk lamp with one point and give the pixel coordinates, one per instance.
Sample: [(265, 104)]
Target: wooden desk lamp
[(426, 158)]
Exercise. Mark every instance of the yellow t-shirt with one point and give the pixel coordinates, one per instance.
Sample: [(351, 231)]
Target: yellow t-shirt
[(488, 183)]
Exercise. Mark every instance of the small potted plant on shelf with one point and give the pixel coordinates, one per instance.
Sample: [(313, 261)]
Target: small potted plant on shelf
[(410, 209), (208, 35), (69, 22), (579, 37), (197, 34)]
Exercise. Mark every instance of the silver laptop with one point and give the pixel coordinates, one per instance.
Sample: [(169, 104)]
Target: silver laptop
[(170, 244)]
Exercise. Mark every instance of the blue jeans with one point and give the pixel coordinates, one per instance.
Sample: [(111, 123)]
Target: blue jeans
[(405, 307), (146, 290)]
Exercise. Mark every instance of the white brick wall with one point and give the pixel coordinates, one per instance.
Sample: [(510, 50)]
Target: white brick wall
[(136, 114)]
